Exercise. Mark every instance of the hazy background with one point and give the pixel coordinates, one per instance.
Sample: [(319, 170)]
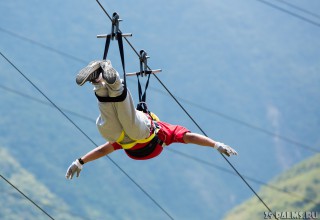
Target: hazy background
[(247, 73)]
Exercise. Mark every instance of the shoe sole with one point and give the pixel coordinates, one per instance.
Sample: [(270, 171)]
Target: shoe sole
[(84, 74), (109, 73)]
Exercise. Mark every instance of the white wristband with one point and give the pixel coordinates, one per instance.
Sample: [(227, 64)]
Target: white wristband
[(78, 164), (217, 144)]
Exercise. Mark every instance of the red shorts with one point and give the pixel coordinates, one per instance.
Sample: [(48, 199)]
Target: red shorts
[(168, 134)]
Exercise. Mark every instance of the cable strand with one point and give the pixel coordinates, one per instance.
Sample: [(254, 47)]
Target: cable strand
[(290, 13), (299, 8), (27, 197)]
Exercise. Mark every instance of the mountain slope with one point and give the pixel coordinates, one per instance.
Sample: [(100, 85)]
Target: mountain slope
[(302, 184), (16, 206)]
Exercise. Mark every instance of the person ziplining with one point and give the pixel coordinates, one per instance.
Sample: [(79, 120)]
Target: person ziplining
[(127, 128), (136, 131)]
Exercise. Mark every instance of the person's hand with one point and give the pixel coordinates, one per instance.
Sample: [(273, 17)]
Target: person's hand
[(75, 167), (225, 149)]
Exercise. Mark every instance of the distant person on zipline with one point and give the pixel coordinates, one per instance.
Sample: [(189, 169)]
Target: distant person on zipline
[(141, 135)]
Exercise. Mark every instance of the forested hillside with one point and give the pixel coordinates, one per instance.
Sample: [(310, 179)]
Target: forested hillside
[(300, 192), (14, 205)]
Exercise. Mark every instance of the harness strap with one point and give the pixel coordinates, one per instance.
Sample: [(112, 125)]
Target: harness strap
[(143, 71), (106, 47), (146, 150), (119, 98), (154, 131), (120, 43), (142, 141), (123, 96)]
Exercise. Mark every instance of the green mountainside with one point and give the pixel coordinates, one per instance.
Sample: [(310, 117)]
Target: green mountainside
[(15, 206), (301, 193)]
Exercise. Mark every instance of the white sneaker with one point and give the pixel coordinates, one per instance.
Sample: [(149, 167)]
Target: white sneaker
[(109, 73), (89, 73)]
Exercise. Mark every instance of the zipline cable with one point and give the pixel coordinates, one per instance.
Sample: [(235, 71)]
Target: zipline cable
[(299, 8), (254, 127), (44, 102), (182, 154), (42, 45), (232, 119), (53, 207), (187, 156), (79, 129), (28, 198), (289, 12), (261, 200)]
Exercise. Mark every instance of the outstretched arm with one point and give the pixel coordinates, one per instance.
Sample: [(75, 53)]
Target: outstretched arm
[(96, 153), (194, 138)]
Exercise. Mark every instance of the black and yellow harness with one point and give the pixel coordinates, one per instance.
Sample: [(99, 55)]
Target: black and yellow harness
[(148, 149)]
